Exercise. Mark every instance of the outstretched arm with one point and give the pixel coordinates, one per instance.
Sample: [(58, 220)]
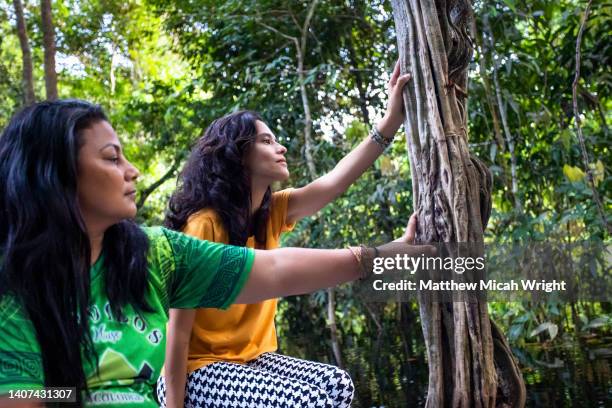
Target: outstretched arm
[(294, 271), (307, 200)]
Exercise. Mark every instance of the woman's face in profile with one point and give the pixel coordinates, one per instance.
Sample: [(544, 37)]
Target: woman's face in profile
[(266, 157), (106, 188)]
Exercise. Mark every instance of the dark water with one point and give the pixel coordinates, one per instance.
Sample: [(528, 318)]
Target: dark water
[(570, 374), (564, 374)]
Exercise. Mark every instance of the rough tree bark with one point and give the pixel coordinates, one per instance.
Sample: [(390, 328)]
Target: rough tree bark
[(49, 45), (470, 362), (26, 54)]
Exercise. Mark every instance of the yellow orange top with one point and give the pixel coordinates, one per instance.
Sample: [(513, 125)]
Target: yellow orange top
[(242, 332)]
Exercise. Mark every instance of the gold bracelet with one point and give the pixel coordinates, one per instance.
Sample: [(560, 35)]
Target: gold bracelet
[(358, 254)]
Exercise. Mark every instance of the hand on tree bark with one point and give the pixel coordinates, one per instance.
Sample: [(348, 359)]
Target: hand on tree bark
[(401, 247), (410, 231), (398, 246), (393, 256), (394, 116)]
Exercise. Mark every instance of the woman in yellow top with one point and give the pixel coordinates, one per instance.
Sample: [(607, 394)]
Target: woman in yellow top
[(224, 196)]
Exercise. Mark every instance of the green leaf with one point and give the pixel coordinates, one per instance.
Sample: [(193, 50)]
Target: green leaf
[(552, 328), (572, 173), (515, 331), (598, 322)]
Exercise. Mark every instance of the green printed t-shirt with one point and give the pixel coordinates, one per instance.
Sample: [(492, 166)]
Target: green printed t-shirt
[(184, 272)]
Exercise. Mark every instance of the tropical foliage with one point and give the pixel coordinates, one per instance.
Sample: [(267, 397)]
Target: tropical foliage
[(164, 70)]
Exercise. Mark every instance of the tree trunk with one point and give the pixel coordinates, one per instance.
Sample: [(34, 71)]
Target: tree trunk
[(301, 56), (300, 52), (470, 362), (49, 45), (26, 54), (308, 146)]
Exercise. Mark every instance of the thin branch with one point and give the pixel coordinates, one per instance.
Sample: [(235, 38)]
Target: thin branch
[(504, 117), (301, 55), (295, 21), (306, 26), (479, 40), (275, 13), (147, 191), (373, 316), (300, 49), (294, 39), (585, 154), (333, 326)]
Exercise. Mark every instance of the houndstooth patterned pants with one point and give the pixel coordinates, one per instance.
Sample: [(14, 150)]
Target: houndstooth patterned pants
[(271, 380)]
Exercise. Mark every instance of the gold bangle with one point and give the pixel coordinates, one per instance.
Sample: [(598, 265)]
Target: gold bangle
[(358, 254)]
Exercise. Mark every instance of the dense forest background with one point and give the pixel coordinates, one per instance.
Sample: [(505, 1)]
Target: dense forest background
[(164, 70)]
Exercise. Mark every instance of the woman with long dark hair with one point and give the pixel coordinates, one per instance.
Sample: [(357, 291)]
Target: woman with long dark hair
[(224, 195), (84, 291)]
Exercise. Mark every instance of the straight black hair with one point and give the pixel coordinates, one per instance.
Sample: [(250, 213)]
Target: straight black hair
[(44, 247)]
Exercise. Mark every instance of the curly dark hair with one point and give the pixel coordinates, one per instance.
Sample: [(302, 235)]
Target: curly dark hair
[(215, 177)]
